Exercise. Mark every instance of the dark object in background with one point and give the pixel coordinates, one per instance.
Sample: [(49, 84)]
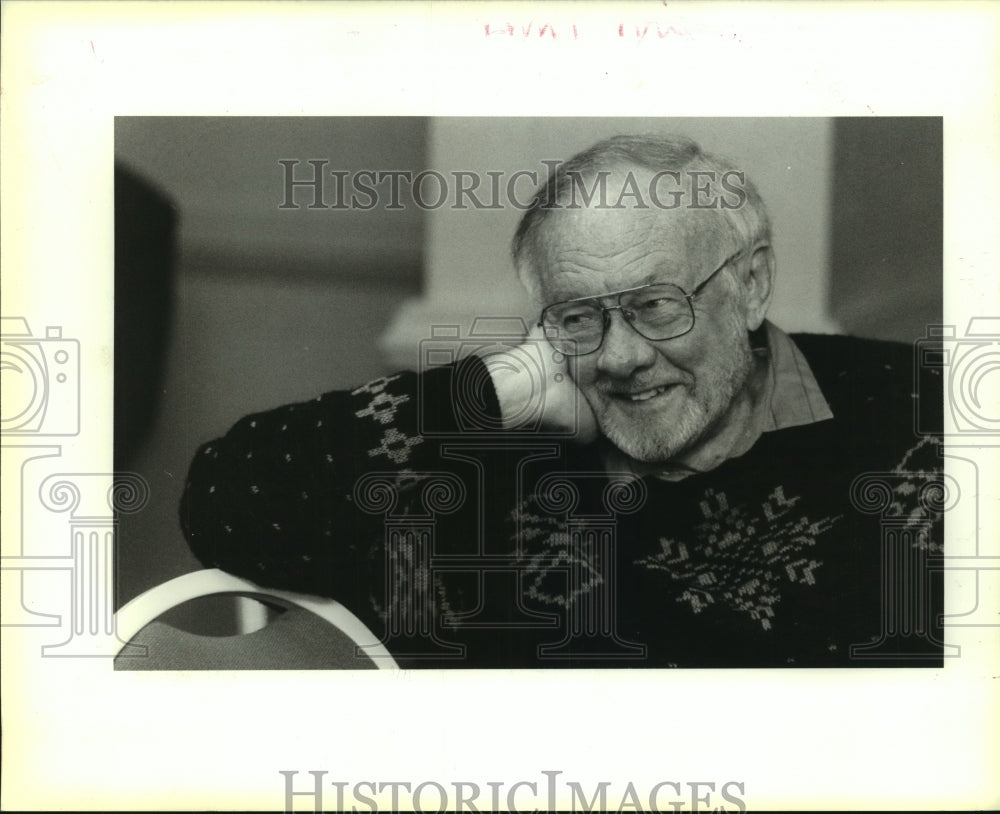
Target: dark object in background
[(145, 229), (887, 239)]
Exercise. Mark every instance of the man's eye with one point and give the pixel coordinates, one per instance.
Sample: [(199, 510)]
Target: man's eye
[(659, 304), (578, 319)]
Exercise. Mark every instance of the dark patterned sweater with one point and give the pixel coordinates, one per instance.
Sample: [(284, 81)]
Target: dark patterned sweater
[(465, 546)]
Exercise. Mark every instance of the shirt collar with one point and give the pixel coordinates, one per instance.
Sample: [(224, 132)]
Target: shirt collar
[(796, 399), (792, 398)]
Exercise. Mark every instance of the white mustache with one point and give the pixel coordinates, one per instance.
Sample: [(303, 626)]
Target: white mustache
[(628, 388)]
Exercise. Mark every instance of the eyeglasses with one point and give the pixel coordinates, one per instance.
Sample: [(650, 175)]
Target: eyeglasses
[(656, 311)]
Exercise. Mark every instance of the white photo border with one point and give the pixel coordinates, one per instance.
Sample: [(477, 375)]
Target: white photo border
[(77, 735)]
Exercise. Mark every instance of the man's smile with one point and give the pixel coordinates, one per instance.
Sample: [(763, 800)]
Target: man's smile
[(642, 395)]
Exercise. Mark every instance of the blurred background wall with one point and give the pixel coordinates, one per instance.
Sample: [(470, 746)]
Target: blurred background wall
[(260, 305), (270, 305)]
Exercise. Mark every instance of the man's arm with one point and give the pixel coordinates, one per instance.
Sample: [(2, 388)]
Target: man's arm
[(273, 500)]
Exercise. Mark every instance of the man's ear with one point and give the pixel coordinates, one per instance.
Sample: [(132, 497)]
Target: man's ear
[(757, 284)]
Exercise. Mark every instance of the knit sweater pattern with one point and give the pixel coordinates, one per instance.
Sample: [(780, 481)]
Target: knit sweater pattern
[(461, 545)]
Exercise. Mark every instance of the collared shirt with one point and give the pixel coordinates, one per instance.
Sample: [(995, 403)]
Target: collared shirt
[(795, 395), (791, 398)]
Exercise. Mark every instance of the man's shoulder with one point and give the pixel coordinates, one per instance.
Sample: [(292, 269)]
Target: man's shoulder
[(854, 355), (873, 378), (847, 363)]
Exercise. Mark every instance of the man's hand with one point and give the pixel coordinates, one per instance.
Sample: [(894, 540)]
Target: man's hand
[(535, 390)]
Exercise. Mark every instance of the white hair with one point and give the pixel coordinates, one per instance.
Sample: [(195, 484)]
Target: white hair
[(749, 220)]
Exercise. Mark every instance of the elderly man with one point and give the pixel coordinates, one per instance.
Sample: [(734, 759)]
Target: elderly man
[(657, 476)]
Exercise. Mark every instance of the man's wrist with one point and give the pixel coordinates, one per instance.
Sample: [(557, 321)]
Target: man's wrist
[(519, 393)]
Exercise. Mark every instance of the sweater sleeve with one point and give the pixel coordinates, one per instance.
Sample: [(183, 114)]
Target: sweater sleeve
[(273, 500)]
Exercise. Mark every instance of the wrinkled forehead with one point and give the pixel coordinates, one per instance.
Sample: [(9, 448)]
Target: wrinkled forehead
[(628, 240)]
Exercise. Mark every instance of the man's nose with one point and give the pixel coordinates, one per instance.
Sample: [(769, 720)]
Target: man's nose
[(623, 350)]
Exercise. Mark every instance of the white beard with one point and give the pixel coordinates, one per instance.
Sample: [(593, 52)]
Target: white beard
[(666, 435)]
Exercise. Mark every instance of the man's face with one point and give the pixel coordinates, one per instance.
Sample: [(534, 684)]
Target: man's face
[(655, 400)]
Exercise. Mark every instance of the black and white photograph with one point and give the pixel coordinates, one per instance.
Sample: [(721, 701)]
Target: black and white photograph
[(454, 406), (439, 423)]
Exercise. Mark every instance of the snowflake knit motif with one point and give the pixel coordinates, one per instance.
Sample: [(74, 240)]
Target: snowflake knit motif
[(741, 558)]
